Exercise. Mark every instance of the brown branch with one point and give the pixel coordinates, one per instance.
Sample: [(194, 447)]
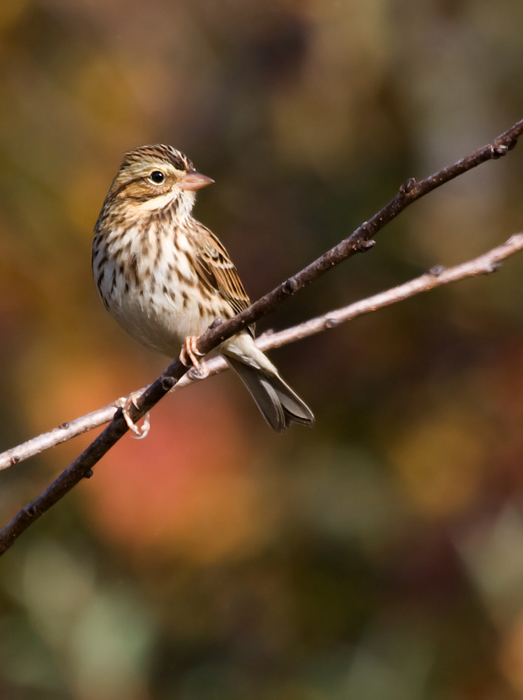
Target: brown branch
[(359, 241)]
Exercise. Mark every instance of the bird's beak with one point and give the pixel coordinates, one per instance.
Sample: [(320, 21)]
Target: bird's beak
[(193, 180)]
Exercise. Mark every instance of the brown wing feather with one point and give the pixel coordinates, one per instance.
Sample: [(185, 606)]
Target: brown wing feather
[(217, 271)]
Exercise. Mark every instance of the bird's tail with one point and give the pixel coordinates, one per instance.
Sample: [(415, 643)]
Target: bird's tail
[(278, 403)]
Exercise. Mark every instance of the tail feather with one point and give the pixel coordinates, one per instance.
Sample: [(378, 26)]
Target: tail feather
[(278, 403)]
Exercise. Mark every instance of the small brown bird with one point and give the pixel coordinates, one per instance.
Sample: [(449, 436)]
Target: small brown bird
[(165, 277)]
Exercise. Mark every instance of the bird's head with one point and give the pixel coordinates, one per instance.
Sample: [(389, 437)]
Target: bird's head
[(153, 178)]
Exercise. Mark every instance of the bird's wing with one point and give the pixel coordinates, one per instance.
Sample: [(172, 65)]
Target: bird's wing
[(216, 270)]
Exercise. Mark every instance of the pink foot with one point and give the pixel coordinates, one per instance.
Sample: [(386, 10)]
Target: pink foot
[(190, 357), (125, 405)]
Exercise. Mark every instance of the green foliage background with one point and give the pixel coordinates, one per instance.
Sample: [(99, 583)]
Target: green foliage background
[(376, 557)]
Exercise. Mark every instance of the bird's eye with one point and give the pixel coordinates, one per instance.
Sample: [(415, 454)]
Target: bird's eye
[(157, 177)]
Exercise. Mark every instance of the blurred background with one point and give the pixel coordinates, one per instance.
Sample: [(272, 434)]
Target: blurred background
[(378, 556)]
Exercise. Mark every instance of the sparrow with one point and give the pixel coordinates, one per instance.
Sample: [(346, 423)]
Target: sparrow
[(165, 277)]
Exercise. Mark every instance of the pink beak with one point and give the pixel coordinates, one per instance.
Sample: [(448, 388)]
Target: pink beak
[(193, 180)]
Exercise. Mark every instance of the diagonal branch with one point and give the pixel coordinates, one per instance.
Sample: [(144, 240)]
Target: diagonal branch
[(437, 277), (359, 241)]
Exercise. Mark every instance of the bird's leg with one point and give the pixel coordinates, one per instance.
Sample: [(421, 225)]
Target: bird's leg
[(190, 357), (125, 404)]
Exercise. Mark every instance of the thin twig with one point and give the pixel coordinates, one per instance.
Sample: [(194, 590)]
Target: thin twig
[(62, 433), (436, 278), (359, 241)]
